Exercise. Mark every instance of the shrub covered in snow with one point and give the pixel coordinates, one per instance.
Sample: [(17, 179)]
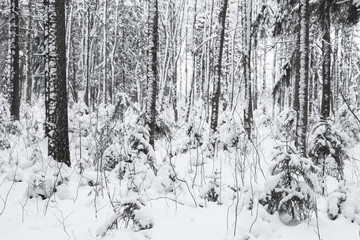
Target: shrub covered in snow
[(291, 184), (211, 191), (129, 213), (194, 137), (285, 125), (43, 185), (4, 123), (335, 200), (328, 150), (348, 123), (230, 132), (345, 201)]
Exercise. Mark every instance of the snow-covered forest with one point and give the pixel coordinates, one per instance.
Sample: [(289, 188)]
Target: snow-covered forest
[(180, 119)]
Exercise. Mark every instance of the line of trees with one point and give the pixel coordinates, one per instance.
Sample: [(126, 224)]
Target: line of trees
[(213, 54)]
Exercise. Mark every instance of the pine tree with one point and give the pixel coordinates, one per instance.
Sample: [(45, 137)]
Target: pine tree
[(217, 75), (29, 65), (14, 60), (152, 71), (304, 76), (325, 23), (248, 111), (55, 81)]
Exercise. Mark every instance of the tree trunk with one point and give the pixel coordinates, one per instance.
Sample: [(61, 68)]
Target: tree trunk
[(55, 80), (192, 83), (104, 46), (29, 72), (248, 115), (14, 60), (87, 68), (217, 75), (335, 75), (326, 65), (304, 76), (152, 71)]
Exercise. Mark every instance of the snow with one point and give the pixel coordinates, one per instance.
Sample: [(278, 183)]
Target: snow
[(83, 203), (70, 214)]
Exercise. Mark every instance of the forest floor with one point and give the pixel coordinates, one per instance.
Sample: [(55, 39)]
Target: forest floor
[(177, 207)]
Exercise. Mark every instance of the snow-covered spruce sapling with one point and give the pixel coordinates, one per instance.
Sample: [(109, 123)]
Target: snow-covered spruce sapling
[(136, 162), (139, 147), (291, 184), (327, 151), (211, 191)]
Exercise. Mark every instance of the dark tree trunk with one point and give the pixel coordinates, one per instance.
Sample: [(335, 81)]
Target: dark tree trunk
[(62, 149), (217, 76), (14, 60), (29, 73), (87, 69), (152, 71), (55, 78), (304, 76), (248, 111), (326, 65)]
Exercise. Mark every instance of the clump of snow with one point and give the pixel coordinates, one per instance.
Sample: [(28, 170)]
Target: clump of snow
[(129, 212)]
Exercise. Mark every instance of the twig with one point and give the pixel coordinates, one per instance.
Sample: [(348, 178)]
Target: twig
[(174, 200), (6, 198), (187, 185), (23, 206), (256, 216), (8, 192), (63, 219)]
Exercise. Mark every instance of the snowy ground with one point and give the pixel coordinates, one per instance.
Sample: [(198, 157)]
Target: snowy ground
[(66, 219), (75, 212)]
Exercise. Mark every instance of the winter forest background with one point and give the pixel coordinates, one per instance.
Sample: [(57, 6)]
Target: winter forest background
[(179, 119)]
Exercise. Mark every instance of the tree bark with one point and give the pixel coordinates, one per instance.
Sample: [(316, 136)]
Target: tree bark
[(248, 111), (152, 70), (14, 60), (304, 76), (217, 75), (55, 80), (326, 65), (29, 72)]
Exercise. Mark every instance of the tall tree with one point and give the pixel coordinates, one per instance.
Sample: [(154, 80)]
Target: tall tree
[(29, 65), (304, 76), (326, 65), (152, 70), (217, 75), (55, 81), (104, 46), (14, 60), (246, 21)]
